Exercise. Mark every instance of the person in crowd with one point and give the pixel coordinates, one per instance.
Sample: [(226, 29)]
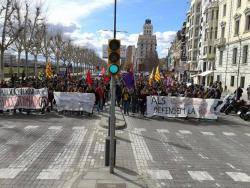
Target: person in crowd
[(238, 92), (118, 94), (126, 101), (248, 92)]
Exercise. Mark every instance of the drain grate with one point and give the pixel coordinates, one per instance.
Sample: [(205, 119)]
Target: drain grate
[(110, 185)]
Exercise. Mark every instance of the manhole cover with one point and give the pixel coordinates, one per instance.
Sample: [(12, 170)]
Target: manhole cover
[(111, 185)]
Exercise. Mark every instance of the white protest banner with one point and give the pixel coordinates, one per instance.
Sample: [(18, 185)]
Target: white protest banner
[(182, 107), (22, 98), (75, 101)]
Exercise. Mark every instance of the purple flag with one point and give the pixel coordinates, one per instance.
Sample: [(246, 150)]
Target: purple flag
[(128, 79)]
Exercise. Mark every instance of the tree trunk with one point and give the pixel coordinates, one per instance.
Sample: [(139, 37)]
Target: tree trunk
[(2, 65), (35, 68), (26, 64), (18, 63)]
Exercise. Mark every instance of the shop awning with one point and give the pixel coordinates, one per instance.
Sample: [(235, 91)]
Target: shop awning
[(206, 73)]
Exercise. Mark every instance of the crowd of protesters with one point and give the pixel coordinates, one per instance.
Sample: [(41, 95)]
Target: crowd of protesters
[(98, 86), (131, 99), (134, 99)]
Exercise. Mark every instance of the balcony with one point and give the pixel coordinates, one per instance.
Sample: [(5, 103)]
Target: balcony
[(220, 43)]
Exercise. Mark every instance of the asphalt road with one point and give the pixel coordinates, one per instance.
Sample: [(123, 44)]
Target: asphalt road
[(52, 150)]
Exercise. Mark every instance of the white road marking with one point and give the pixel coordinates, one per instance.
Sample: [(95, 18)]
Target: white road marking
[(185, 132), (162, 130), (208, 133), (170, 148), (233, 167), (31, 127), (203, 156), (201, 175), (247, 134), (29, 156), (229, 134), (55, 128), (160, 174), (85, 158), (65, 159), (140, 150), (239, 176)]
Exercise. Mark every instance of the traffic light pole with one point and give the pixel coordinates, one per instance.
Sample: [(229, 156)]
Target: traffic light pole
[(112, 111)]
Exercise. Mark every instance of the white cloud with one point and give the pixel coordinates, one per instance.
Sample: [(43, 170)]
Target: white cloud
[(69, 12), (66, 14), (96, 40)]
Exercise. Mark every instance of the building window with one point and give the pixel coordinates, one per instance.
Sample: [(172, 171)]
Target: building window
[(223, 32), (224, 10), (237, 27), (196, 31), (247, 28), (204, 50), (210, 49), (221, 58), (217, 14), (238, 3), (216, 33), (245, 54), (242, 81), (205, 35), (235, 56), (212, 16), (211, 34), (232, 81), (218, 78)]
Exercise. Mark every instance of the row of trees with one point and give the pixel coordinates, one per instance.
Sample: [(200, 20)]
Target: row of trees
[(24, 29)]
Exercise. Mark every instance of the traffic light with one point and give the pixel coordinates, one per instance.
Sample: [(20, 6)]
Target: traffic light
[(114, 56)]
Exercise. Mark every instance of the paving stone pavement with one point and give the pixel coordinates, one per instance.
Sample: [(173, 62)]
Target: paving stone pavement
[(58, 151)]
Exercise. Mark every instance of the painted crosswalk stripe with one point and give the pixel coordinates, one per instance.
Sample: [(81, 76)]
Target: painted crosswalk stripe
[(14, 140), (201, 176), (162, 130), (31, 127), (229, 134), (185, 132), (66, 158), (208, 133), (29, 156), (239, 176), (85, 155), (140, 150), (160, 174), (247, 134)]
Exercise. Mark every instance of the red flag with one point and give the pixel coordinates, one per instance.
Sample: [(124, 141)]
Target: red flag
[(88, 78), (106, 79), (103, 71)]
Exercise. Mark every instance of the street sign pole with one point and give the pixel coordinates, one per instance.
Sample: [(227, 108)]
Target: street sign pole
[(112, 111)]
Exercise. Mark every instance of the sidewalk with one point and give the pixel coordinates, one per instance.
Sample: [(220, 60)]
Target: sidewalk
[(120, 121), (101, 178)]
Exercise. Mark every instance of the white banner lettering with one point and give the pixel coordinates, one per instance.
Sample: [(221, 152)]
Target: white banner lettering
[(182, 107), (22, 98)]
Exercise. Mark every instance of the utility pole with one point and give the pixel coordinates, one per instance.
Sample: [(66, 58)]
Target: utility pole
[(112, 110)]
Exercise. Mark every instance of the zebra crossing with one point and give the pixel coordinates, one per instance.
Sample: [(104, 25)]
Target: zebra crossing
[(85, 147)]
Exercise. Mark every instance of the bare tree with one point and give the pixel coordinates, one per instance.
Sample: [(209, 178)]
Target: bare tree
[(36, 46), (30, 24), (57, 44), (8, 37)]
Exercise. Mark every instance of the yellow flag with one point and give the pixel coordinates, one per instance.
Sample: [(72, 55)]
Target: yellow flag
[(151, 77), (48, 71), (157, 75)]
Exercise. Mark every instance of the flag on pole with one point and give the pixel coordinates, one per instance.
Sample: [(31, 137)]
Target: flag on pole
[(88, 78), (157, 75), (48, 70), (151, 77), (128, 79)]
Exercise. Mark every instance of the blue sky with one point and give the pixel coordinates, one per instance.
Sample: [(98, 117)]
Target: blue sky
[(85, 20)]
